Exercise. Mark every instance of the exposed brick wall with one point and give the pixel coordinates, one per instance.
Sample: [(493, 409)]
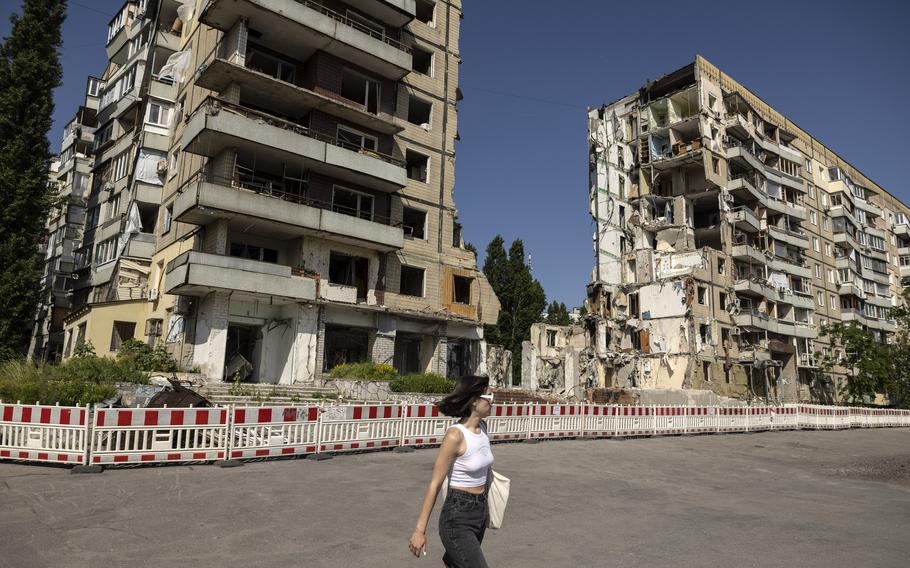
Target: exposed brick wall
[(320, 342), (383, 349)]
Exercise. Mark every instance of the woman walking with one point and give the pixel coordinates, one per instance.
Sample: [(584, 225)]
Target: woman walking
[(466, 458)]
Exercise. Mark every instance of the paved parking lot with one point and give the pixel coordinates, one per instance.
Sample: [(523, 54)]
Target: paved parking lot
[(789, 499)]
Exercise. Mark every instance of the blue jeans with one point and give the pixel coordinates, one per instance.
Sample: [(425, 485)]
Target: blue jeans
[(462, 522)]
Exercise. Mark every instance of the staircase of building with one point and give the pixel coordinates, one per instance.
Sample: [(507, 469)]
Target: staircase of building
[(255, 393)]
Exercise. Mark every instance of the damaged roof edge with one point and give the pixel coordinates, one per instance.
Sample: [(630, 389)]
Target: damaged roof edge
[(671, 82)]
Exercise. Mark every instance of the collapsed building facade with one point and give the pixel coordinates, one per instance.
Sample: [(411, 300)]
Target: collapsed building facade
[(282, 196), (726, 238)]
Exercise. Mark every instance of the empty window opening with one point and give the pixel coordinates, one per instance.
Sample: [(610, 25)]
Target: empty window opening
[(426, 12), (419, 111), (350, 271), (417, 165), (361, 90), (456, 235), (551, 338), (721, 266), (407, 354), (352, 203), (633, 305), (422, 61), (121, 331), (258, 60), (461, 289), (703, 295), (414, 222), (345, 345), (706, 369), (723, 301), (411, 281), (704, 332), (254, 252)]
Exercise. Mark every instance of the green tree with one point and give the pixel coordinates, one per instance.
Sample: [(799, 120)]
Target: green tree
[(29, 71), (898, 386), (866, 361), (557, 314), (520, 294)]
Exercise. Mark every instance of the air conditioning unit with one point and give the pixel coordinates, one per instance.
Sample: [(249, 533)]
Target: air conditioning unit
[(153, 294), (162, 167), (735, 332)]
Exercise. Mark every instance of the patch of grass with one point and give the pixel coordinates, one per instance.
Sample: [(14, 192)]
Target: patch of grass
[(429, 383), (86, 379), (366, 371)]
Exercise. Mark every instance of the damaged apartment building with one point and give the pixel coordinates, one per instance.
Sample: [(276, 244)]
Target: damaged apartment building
[(726, 238), (298, 212)]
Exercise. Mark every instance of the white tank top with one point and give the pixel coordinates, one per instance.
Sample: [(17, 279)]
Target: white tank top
[(472, 468)]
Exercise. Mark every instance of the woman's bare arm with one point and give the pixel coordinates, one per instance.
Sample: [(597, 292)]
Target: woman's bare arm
[(448, 451)]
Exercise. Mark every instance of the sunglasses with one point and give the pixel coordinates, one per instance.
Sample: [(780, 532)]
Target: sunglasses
[(488, 397)]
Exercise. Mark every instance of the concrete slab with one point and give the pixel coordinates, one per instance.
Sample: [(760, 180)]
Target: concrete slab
[(782, 499)]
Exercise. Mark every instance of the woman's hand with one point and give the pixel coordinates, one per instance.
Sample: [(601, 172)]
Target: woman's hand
[(418, 543)]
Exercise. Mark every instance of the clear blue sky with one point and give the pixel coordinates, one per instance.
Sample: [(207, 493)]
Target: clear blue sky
[(840, 70)]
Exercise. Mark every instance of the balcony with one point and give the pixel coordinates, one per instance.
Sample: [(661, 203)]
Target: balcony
[(756, 287), (198, 273), (217, 126), (245, 200), (737, 151), (396, 13), (807, 360), (787, 208), (140, 245), (746, 220), (293, 100), (748, 253), (850, 289), (305, 26), (902, 230), (795, 266), (790, 237)]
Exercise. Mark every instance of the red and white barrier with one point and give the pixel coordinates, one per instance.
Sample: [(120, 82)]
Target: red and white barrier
[(509, 422), (133, 436), (150, 435), (424, 425), (556, 421), (50, 434), (274, 431), (345, 428)]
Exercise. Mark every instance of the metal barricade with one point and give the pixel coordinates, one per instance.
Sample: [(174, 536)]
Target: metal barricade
[(49, 434), (274, 431), (344, 428), (555, 421)]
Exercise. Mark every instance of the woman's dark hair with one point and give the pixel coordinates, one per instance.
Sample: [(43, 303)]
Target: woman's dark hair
[(458, 403)]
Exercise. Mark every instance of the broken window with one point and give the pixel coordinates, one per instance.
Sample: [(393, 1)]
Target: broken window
[(419, 111), (461, 289), (725, 335), (723, 300), (268, 63), (633, 305), (361, 90), (426, 12), (421, 61), (456, 235), (417, 165), (352, 203), (706, 369), (715, 165), (253, 252), (350, 271), (635, 337), (345, 345), (703, 295), (721, 266), (551, 338), (704, 332), (414, 222), (355, 140), (411, 281), (622, 216), (121, 331)]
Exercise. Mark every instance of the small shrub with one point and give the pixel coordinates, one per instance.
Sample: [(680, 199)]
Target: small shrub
[(147, 359), (424, 383), (367, 371)]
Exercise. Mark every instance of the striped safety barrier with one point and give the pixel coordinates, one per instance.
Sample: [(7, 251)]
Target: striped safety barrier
[(345, 428), (700, 420), (150, 435), (556, 421), (732, 419), (424, 425), (50, 434), (273, 431), (509, 422)]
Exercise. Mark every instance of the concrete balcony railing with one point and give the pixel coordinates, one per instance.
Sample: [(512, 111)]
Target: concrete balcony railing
[(902, 230), (790, 237), (746, 189), (795, 266), (198, 273), (787, 208), (850, 289), (217, 125), (338, 293), (746, 220), (395, 13), (304, 26), (204, 199), (748, 253)]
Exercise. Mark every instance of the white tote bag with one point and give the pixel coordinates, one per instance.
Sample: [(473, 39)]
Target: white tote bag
[(497, 497)]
